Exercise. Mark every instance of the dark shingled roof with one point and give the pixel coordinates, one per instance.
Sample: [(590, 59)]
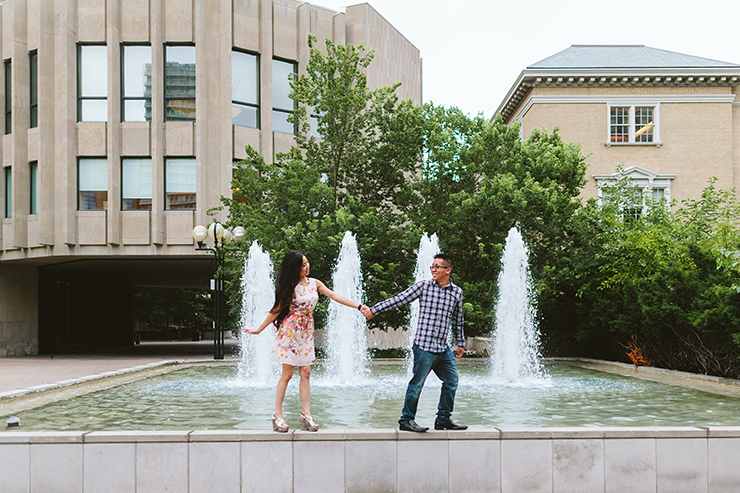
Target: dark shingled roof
[(625, 56)]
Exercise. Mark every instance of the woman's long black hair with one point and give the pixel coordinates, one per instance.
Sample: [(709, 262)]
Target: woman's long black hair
[(288, 277)]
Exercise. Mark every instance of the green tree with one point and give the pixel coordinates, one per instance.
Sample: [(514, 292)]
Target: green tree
[(353, 174)]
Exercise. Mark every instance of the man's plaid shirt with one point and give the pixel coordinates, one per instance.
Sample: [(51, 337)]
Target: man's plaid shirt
[(439, 309)]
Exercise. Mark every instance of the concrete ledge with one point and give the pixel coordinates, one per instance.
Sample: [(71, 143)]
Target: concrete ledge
[(695, 459)]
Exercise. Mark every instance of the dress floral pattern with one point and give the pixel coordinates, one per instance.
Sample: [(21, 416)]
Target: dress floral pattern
[(294, 339)]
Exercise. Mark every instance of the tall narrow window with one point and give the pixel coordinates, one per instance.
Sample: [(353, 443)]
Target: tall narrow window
[(8, 98), (92, 83), (282, 105), (136, 184), (179, 83), (136, 82), (179, 183), (33, 62), (8, 192), (245, 94), (92, 179), (34, 178)]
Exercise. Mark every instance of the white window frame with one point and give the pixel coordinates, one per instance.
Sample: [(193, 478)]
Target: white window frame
[(644, 180), (632, 105)]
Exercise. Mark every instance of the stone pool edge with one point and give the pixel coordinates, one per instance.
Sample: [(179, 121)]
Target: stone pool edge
[(693, 459)]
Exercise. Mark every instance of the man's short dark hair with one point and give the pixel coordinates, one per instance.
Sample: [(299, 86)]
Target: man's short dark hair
[(446, 258)]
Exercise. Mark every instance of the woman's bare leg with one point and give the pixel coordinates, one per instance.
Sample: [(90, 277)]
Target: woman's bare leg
[(305, 389), (281, 386)]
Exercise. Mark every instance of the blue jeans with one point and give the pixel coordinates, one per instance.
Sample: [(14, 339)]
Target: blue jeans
[(445, 367)]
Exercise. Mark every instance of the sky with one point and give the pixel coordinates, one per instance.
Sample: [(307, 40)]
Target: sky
[(474, 50)]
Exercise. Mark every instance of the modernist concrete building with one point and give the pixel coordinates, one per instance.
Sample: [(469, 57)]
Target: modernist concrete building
[(671, 120), (122, 122)]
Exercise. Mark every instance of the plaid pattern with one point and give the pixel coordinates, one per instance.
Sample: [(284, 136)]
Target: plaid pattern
[(439, 309)]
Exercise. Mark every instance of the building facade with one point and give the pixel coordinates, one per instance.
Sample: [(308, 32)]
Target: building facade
[(671, 121), (123, 119)]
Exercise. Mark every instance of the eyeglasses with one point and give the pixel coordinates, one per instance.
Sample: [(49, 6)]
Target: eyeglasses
[(435, 267)]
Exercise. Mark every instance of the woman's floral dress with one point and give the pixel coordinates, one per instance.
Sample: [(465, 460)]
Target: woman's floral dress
[(294, 338)]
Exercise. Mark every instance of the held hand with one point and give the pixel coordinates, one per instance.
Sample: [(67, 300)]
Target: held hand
[(460, 352), (366, 311)]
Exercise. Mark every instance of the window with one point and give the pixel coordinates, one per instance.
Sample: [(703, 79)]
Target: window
[(8, 98), (92, 83), (92, 184), (34, 178), (245, 94), (282, 105), (179, 83), (633, 124), (179, 183), (136, 184), (642, 190), (8, 192), (136, 83), (33, 63)]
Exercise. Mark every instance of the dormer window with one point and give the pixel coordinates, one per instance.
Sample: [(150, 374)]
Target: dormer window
[(633, 124)]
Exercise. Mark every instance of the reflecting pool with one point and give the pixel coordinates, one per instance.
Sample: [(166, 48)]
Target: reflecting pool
[(200, 397)]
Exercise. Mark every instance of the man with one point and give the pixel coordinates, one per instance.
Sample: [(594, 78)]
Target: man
[(440, 308)]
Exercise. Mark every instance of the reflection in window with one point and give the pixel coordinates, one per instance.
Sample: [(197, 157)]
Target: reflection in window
[(8, 192), (179, 83), (179, 182), (33, 62), (136, 184), (92, 83), (8, 98), (245, 106), (136, 82), (34, 177), (92, 179), (282, 105)]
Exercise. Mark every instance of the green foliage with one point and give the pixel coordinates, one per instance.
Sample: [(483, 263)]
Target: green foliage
[(480, 180), (663, 277), (163, 308), (352, 176)]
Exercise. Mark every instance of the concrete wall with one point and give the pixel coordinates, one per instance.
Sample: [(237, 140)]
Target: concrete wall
[(19, 328), (551, 460), (58, 232)]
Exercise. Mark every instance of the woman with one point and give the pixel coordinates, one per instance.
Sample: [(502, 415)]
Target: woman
[(296, 295)]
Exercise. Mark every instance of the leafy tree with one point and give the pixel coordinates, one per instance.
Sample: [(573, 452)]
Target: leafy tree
[(352, 174)]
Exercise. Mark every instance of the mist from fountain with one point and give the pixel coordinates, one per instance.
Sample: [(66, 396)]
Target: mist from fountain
[(347, 359), (516, 337), (258, 296), (428, 248)]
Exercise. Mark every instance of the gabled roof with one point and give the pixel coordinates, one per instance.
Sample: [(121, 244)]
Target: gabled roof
[(615, 66), (626, 56)]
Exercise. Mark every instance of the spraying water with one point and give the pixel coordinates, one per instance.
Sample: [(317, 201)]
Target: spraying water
[(516, 337), (258, 288), (428, 248), (346, 341)]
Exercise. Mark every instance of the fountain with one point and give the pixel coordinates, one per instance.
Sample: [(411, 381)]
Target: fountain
[(516, 338), (346, 342), (257, 299), (428, 248)]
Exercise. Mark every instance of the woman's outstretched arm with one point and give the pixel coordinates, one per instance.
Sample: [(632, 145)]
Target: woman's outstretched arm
[(336, 297), (268, 320)]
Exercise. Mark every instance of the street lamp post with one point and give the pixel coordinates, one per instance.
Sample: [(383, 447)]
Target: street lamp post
[(220, 237)]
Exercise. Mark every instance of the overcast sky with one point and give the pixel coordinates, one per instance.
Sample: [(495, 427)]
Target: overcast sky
[(473, 50)]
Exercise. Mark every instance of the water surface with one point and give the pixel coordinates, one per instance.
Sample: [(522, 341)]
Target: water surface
[(198, 398)]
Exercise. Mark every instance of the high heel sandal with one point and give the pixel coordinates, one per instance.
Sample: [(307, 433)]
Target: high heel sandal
[(279, 424), (307, 423)]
